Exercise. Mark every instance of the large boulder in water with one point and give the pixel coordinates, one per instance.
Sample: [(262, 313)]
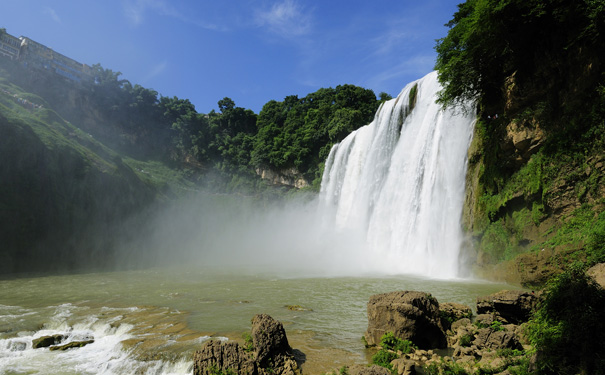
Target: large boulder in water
[(408, 315), (509, 306), (271, 353)]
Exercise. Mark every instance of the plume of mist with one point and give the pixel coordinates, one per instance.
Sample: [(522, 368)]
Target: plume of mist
[(234, 233)]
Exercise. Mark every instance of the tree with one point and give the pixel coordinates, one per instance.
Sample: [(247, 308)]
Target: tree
[(226, 104), (536, 42), (568, 329)]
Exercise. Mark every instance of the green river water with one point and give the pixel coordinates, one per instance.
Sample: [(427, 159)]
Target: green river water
[(151, 321)]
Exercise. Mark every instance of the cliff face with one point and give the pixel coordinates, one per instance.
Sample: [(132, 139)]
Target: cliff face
[(290, 177), (535, 194)]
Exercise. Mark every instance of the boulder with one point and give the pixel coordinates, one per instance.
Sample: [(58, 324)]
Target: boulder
[(597, 272), (404, 366), (493, 339), (409, 315), (70, 345), (269, 338), (509, 306), (451, 312), (270, 354), (223, 356), (46, 341)]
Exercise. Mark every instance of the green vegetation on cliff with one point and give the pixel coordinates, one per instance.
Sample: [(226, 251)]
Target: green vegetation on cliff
[(536, 166), (84, 163)]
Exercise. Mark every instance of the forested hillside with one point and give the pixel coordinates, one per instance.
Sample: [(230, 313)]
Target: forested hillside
[(81, 159), (536, 180)]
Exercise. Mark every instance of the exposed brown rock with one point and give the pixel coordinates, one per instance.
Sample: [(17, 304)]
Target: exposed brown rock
[(70, 345), (597, 272), (509, 306), (271, 353), (269, 338), (408, 315), (451, 312)]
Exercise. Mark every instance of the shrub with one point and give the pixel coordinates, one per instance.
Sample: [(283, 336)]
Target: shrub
[(466, 340), (383, 358), (568, 329), (389, 342)]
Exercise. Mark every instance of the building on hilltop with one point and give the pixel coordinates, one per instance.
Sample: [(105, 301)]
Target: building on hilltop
[(38, 56), (10, 46)]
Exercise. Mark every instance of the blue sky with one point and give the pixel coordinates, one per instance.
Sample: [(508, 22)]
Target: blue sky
[(252, 51)]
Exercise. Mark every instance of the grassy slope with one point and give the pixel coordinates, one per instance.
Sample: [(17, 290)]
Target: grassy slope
[(64, 195)]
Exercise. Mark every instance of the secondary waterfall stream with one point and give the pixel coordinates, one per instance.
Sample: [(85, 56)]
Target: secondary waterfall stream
[(400, 180)]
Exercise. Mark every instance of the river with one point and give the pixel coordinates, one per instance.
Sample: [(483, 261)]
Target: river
[(151, 321)]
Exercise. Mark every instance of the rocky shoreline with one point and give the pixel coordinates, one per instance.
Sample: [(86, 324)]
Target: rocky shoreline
[(411, 333)]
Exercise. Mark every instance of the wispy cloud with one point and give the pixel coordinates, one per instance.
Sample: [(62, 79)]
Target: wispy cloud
[(135, 10), (417, 66), (286, 18), (51, 12), (156, 71)]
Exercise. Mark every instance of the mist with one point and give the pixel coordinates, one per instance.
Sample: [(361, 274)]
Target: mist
[(291, 237)]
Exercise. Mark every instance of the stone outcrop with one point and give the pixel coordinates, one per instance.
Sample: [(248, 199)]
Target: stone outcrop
[(223, 356), (46, 341), (72, 344), (597, 272), (451, 312), (408, 315), (508, 306), (269, 339), (270, 354), (287, 177)]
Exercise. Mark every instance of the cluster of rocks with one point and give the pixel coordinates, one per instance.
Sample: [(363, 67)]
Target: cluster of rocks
[(490, 341), (269, 353)]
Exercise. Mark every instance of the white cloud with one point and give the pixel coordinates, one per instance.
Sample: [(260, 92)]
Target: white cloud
[(135, 10), (286, 18), (51, 12)]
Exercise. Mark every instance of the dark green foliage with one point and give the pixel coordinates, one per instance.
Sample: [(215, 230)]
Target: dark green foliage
[(466, 340), (413, 97), (497, 326), (383, 358), (537, 41), (299, 132), (248, 342), (568, 329), (389, 342), (389, 346)]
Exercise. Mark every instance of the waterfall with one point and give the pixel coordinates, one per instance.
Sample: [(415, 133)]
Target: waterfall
[(400, 181)]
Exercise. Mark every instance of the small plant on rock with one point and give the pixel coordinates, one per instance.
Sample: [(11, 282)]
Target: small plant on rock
[(466, 340), (497, 326), (389, 342), (248, 342)]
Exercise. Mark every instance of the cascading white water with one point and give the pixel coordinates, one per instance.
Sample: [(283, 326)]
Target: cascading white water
[(401, 180)]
